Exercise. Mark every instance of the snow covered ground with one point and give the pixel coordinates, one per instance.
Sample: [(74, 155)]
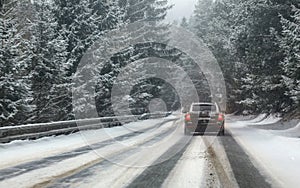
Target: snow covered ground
[(277, 152), (116, 164), (292, 132), (22, 151), (263, 119), (69, 161), (127, 159)]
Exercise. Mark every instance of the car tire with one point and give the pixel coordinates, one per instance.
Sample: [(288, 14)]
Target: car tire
[(186, 132), (221, 132)]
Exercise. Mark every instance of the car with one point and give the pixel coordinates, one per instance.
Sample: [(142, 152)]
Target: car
[(204, 118)]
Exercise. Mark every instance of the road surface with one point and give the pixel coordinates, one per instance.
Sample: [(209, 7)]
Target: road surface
[(154, 154)]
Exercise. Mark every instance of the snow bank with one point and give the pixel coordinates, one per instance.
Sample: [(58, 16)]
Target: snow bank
[(278, 156), (292, 132), (231, 115), (271, 119), (259, 118), (171, 117)]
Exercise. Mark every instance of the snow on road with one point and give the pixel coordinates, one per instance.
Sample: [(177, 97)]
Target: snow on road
[(55, 170), (22, 151), (277, 156), (116, 164), (189, 171), (120, 163), (125, 170)]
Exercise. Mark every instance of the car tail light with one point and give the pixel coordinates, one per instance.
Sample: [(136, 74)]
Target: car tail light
[(187, 117), (221, 117)]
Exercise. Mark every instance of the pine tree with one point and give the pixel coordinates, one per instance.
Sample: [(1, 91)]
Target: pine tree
[(84, 22), (49, 65), (290, 44), (212, 23), (14, 89), (256, 21), (149, 15), (241, 36), (92, 19), (184, 23), (203, 13), (142, 10)]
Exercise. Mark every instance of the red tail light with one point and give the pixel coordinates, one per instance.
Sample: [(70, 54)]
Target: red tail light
[(221, 117), (187, 117)]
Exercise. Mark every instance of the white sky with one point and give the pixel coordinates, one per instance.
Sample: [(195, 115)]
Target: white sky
[(182, 8)]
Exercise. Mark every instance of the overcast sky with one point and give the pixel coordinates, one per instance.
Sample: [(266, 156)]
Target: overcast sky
[(182, 8)]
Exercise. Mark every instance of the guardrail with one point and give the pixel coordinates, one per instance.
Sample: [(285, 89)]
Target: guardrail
[(35, 131)]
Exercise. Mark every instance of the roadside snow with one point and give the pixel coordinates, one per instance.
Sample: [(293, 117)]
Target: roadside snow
[(292, 132), (171, 117), (268, 120), (46, 174), (277, 155), (23, 151), (257, 119)]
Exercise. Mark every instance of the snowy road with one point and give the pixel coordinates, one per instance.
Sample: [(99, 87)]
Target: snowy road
[(111, 157), (152, 153)]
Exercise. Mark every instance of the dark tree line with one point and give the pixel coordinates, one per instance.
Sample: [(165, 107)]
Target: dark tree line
[(256, 42), (257, 45), (42, 43)]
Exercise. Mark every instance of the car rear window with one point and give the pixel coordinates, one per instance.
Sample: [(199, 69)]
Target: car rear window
[(204, 107)]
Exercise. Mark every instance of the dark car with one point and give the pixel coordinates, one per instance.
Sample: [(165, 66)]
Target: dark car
[(204, 118)]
